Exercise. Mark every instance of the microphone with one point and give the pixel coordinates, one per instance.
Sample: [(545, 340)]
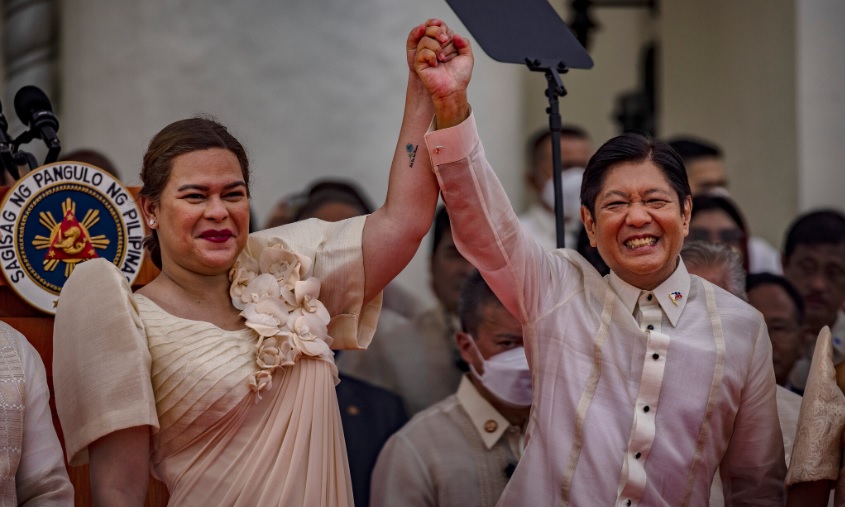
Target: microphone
[(35, 111), (7, 155)]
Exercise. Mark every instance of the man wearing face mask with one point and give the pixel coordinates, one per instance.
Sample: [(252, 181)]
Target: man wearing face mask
[(575, 151), (462, 451)]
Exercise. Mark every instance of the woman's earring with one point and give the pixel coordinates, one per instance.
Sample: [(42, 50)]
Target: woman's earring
[(152, 222)]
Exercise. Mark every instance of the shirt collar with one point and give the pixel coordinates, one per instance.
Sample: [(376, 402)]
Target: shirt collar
[(672, 294), (483, 415)]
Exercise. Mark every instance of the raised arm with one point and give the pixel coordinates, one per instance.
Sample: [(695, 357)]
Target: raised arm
[(484, 225), (393, 232)]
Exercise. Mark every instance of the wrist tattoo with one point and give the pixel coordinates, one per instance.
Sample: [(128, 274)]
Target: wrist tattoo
[(411, 149)]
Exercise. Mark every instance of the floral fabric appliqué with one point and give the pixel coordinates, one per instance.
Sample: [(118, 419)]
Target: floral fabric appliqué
[(279, 301)]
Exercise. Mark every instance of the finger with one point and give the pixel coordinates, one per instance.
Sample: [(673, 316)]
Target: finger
[(431, 44), (448, 52), (426, 57), (414, 36), (436, 32), (462, 45)]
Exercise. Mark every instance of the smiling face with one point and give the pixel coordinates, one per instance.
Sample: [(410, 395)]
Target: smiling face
[(202, 216), (638, 226)]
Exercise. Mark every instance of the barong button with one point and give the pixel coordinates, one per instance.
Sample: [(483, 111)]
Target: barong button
[(650, 327), (655, 356), (490, 426), (649, 297), (628, 502), (637, 456), (646, 409)]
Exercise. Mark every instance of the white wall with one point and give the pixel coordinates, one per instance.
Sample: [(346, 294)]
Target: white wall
[(728, 74), (313, 88)]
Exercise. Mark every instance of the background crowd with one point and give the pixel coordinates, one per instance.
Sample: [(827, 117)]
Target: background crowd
[(434, 410)]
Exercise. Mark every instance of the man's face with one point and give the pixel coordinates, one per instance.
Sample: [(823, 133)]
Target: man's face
[(638, 226), (706, 174), (497, 332), (574, 152), (449, 269), (818, 272), (784, 328)]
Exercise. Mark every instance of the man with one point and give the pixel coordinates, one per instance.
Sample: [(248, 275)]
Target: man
[(461, 451), (575, 152), (705, 166), (722, 266), (645, 382), (418, 360), (31, 461), (783, 309), (814, 261)]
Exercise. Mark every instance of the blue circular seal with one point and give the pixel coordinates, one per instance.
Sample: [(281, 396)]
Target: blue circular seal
[(60, 215)]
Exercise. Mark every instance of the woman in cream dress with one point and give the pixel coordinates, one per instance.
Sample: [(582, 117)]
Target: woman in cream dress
[(817, 465), (217, 376)]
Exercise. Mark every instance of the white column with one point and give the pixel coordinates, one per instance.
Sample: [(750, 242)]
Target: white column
[(820, 101)]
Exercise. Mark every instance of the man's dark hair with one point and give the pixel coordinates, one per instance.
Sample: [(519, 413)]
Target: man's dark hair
[(475, 295), (441, 225), (759, 279), (690, 148), (633, 148), (821, 227), (535, 142)]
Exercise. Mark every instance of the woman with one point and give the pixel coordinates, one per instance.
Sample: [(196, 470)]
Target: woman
[(717, 219), (817, 466), (217, 375)]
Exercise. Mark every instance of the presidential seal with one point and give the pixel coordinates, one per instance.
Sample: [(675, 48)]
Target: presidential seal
[(62, 214)]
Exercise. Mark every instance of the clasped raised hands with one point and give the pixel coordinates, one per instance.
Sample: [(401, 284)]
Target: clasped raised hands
[(443, 62)]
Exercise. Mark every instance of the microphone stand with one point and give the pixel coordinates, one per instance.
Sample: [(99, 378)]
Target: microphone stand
[(7, 151), (554, 89), (52, 142)]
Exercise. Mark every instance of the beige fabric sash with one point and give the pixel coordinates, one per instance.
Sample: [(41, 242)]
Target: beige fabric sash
[(718, 373), (587, 396)]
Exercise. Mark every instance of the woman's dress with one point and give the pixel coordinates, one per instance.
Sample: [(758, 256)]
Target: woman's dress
[(817, 451), (245, 417)]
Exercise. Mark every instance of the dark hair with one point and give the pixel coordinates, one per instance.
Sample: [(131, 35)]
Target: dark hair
[(179, 138), (441, 225), (534, 147), (821, 227), (633, 148), (690, 148), (475, 295), (706, 202), (758, 279), (328, 191), (92, 157)]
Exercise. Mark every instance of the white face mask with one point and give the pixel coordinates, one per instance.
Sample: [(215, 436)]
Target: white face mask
[(571, 182), (507, 377)]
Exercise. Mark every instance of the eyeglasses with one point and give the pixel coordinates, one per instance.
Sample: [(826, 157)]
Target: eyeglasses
[(726, 236)]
